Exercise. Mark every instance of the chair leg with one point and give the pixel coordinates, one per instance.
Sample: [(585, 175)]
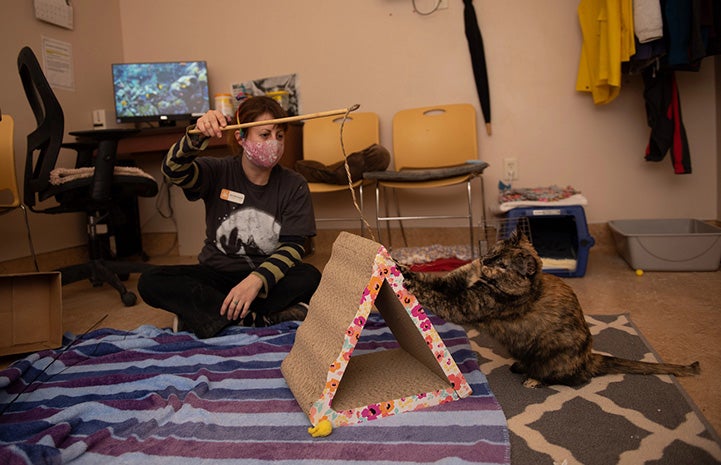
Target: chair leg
[(483, 210), (99, 271), (104, 275), (483, 202), (386, 214), (470, 219), (378, 209), (360, 204), (30, 238), (400, 222)]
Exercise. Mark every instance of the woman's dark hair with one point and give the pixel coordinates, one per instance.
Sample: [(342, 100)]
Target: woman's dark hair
[(250, 110)]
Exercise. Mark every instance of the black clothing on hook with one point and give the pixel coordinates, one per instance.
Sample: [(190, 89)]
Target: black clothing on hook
[(663, 113)]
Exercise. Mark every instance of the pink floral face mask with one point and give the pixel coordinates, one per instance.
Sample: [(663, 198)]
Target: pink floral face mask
[(264, 154)]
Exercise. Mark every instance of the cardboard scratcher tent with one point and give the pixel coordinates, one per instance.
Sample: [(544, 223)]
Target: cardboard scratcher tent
[(330, 384)]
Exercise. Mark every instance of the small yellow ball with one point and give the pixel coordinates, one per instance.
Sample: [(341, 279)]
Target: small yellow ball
[(321, 430), (639, 272)]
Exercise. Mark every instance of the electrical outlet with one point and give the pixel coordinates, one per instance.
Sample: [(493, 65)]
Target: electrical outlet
[(442, 4), (510, 169), (99, 119)]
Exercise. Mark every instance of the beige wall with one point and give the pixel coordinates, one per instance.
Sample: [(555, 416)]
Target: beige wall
[(380, 54)]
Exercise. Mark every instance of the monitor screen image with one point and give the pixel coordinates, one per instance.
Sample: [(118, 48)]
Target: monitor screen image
[(160, 92)]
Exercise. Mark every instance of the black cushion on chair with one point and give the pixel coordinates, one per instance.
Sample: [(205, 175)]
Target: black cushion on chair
[(75, 195), (419, 174), (373, 158)]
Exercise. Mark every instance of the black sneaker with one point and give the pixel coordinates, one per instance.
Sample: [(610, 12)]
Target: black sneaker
[(296, 312), (248, 321)]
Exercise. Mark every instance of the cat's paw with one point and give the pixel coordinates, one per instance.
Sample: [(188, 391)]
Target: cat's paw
[(403, 269), (408, 275), (532, 383), (409, 283)]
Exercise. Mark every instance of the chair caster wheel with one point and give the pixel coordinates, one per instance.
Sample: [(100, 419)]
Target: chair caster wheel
[(129, 299)]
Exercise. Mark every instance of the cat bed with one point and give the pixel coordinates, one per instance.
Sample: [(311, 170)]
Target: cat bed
[(372, 158), (334, 385), (439, 264), (434, 257)]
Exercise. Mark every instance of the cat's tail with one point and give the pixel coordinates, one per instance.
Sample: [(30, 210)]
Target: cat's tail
[(607, 365)]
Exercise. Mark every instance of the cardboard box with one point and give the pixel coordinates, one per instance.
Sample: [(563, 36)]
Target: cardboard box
[(31, 312)]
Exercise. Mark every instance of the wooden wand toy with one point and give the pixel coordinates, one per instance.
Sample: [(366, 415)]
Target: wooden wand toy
[(288, 119)]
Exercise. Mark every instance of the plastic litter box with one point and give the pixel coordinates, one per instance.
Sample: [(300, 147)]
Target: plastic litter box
[(668, 244)]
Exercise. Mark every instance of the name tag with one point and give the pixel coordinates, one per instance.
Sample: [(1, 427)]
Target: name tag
[(230, 196)]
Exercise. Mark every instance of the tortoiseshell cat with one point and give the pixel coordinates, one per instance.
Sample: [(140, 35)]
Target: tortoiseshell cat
[(535, 315)]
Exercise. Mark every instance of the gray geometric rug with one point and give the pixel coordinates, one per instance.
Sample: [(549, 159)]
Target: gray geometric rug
[(614, 419)]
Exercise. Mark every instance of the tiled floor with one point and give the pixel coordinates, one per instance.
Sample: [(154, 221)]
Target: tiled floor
[(678, 313)]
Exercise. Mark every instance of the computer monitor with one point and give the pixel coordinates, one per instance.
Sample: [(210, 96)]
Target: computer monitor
[(160, 92)]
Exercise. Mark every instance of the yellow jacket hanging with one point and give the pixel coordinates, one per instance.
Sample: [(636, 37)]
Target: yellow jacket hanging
[(608, 40)]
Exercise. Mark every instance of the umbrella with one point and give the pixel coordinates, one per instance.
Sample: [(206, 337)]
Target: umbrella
[(478, 60)]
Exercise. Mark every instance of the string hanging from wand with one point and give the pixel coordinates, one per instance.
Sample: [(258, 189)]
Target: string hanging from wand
[(350, 178)]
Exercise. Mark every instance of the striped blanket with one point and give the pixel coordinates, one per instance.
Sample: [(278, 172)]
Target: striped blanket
[(154, 396)]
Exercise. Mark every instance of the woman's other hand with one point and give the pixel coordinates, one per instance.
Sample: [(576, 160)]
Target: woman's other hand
[(237, 303)]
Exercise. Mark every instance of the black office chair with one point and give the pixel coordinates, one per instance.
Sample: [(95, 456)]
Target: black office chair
[(97, 194)]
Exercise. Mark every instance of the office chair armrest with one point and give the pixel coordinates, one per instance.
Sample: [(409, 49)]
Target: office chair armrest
[(427, 174), (85, 152), (107, 140)]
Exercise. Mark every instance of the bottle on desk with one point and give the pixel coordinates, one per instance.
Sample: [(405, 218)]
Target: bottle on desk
[(224, 104)]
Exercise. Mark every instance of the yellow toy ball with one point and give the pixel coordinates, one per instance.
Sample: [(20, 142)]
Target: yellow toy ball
[(322, 429), (639, 272)]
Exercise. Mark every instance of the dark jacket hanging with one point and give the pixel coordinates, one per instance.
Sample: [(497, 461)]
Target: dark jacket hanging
[(663, 113)]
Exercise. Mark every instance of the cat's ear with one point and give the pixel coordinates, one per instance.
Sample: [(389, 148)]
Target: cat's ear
[(517, 236), (520, 235), (513, 238)]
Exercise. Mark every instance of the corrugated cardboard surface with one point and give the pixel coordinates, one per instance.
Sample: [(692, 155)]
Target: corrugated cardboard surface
[(369, 378), (31, 312), (319, 339)]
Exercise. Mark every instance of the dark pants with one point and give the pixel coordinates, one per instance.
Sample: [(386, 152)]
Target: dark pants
[(196, 292)]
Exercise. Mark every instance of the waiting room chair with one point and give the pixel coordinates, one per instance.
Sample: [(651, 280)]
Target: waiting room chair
[(96, 192), (9, 192), (322, 144), (433, 147)]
